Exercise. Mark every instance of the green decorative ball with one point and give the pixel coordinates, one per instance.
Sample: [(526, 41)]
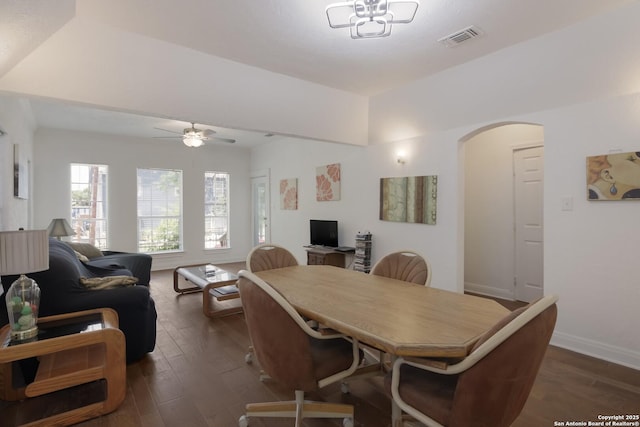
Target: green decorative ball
[(26, 309), (26, 320)]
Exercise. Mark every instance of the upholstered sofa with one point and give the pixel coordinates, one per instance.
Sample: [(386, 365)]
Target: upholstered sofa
[(62, 291), (138, 264)]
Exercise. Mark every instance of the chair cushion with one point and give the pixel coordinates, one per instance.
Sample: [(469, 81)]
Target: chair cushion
[(270, 257), (408, 268), (331, 356), (432, 393), (86, 249), (501, 324)]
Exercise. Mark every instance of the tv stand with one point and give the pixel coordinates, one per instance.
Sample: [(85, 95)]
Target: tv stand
[(325, 256)]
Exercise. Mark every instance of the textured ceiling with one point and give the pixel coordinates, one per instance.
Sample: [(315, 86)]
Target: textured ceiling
[(290, 37)]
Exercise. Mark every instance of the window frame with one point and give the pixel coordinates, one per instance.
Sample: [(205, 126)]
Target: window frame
[(224, 239), (78, 223), (179, 189)]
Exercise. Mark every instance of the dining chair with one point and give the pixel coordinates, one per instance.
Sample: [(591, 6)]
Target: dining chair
[(293, 354), (267, 257), (490, 386), (407, 266)]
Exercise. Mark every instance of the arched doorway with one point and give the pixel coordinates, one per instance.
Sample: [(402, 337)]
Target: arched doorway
[(503, 181)]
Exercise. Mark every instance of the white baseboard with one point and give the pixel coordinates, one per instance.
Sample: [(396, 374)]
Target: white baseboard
[(610, 353), (489, 291)]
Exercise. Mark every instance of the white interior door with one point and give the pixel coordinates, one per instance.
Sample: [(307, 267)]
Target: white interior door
[(529, 245), (260, 203)]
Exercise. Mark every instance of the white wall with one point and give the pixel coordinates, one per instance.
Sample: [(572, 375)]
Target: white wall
[(358, 209), (91, 63), (582, 84), (17, 121), (55, 150), (489, 207)]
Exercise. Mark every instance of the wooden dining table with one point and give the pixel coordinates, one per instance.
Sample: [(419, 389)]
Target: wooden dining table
[(399, 318)]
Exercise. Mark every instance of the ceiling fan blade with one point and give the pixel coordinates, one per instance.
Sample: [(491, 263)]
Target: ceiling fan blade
[(208, 132), (229, 140), (170, 131)]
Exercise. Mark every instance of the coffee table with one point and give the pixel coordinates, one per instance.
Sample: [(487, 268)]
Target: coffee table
[(82, 351), (216, 285)]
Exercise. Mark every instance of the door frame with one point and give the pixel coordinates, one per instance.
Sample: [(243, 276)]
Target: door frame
[(266, 175), (514, 148)]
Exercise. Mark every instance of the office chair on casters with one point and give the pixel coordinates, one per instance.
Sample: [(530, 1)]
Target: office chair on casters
[(294, 354), (267, 257), (407, 266), (487, 388)]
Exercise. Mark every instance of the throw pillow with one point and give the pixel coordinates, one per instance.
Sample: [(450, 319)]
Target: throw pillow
[(86, 249), (109, 282), (81, 257)]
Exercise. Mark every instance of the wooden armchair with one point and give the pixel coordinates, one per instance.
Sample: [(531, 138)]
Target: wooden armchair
[(293, 354), (487, 388)]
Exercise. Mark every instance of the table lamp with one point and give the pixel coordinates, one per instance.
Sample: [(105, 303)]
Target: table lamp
[(59, 227), (22, 252)]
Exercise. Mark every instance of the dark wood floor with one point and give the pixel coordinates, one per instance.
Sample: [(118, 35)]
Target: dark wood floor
[(197, 376)]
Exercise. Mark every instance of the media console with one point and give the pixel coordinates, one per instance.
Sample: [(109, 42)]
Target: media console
[(328, 256)]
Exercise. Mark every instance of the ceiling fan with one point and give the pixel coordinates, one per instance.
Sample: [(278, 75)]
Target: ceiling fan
[(193, 137)]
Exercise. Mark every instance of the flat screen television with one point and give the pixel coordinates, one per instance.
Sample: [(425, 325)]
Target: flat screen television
[(324, 232)]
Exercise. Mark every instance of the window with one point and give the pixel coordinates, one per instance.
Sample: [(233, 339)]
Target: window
[(159, 210), (89, 204), (216, 210)]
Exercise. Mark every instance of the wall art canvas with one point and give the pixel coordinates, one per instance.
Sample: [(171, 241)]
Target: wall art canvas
[(409, 199), (328, 182), (614, 176), (289, 194), (20, 174)]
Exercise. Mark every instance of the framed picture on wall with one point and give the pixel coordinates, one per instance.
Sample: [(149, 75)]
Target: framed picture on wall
[(20, 174), (614, 176), (409, 199)]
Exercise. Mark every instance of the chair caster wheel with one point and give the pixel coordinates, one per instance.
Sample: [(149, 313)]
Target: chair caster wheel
[(347, 422), (243, 421), (248, 358)]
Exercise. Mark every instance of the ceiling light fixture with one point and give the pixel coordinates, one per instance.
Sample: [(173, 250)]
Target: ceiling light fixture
[(192, 138), (371, 18)]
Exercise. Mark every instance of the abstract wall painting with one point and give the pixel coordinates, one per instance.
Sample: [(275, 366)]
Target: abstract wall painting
[(289, 194), (409, 199), (614, 176), (328, 182)]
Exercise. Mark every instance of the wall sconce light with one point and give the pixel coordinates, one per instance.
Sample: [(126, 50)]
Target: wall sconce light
[(401, 157)]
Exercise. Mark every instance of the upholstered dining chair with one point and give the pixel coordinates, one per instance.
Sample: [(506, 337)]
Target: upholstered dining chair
[(267, 257), (407, 266), (489, 387), (293, 354)]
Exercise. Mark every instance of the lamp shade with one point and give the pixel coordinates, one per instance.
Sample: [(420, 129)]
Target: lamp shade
[(23, 251), (59, 227)]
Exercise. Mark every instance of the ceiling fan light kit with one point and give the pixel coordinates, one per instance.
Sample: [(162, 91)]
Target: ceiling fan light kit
[(192, 141), (371, 18), (192, 137)]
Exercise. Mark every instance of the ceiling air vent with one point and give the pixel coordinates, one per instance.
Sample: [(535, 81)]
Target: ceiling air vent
[(461, 36)]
